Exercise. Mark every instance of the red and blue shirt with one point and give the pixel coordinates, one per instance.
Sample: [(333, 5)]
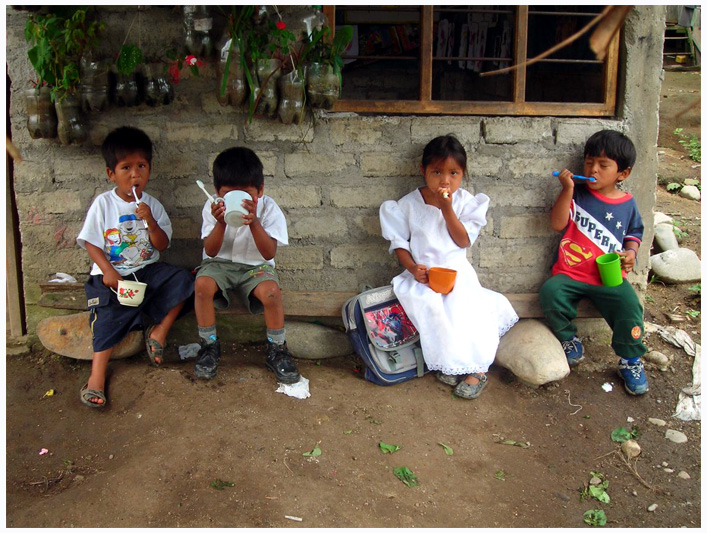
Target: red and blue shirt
[(597, 225)]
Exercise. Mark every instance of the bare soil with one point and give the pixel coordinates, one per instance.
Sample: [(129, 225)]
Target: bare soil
[(159, 453)]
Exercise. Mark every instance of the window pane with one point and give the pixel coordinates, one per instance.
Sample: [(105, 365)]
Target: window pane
[(467, 41), (384, 63), (571, 74)]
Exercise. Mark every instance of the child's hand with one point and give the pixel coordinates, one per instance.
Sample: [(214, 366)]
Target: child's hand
[(252, 207), (420, 273), (444, 196), (628, 259), (565, 178), (218, 210), (111, 278), (144, 212)]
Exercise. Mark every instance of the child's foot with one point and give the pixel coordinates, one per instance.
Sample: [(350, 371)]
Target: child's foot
[(93, 397), (207, 360), (449, 379), (471, 387), (154, 344), (635, 381), (574, 350), (279, 360)]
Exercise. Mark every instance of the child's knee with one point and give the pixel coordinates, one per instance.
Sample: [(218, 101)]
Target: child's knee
[(268, 292), (205, 287)]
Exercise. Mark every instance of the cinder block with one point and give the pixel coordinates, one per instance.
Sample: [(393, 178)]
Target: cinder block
[(376, 164), (304, 165), (511, 253), (270, 130), (467, 130), (317, 227), (299, 258), (512, 130), (289, 196), (526, 226), (371, 196), (351, 256), (197, 132)]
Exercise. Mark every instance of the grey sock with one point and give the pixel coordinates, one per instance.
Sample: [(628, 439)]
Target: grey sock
[(208, 334), (276, 336)]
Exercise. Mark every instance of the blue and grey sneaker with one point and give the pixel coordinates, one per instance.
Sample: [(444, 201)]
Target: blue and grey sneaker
[(574, 350), (635, 381)]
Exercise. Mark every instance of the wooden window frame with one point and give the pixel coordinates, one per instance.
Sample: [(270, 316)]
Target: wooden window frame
[(518, 106)]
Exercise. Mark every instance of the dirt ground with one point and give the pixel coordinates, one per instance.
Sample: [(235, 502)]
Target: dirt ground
[(159, 453)]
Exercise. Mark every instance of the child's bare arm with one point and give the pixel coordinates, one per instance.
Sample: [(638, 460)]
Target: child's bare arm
[(628, 256), (110, 274), (213, 243), (560, 211), (157, 236), (267, 246), (408, 263), (456, 229)]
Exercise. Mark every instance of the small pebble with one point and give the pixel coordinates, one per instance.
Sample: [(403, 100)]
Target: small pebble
[(652, 507), (675, 436), (664, 463), (595, 481), (668, 470), (110, 456), (683, 475), (630, 419), (634, 493), (657, 422)]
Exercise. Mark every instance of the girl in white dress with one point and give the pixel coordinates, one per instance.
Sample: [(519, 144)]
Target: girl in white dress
[(432, 227)]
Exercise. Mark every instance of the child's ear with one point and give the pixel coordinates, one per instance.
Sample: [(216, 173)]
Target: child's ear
[(260, 190), (625, 173), (111, 174)]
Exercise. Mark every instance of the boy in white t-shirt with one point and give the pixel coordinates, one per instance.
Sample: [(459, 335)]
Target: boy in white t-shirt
[(239, 261), (124, 232)]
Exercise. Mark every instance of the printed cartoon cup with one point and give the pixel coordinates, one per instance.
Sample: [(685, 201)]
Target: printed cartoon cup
[(610, 269), (234, 210), (442, 279), (130, 293)]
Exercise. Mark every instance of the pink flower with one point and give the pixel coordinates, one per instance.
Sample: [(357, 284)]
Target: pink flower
[(280, 25), (192, 60)]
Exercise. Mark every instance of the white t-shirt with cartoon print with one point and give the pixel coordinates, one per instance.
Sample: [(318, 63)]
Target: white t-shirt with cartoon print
[(112, 225)]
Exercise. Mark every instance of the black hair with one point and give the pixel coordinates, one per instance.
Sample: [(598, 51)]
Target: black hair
[(614, 145), (124, 141), (238, 167), (443, 147)]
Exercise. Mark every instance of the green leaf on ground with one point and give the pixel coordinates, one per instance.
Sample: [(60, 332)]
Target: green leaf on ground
[(598, 492), (388, 448), (348, 432), (316, 452), (620, 435), (219, 484), (406, 475), (595, 517), (510, 442), (447, 449), (500, 475)]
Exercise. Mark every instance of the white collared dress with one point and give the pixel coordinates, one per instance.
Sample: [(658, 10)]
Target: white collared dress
[(459, 331)]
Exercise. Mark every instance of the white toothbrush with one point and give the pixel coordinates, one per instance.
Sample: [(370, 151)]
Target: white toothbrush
[(137, 202), (201, 185)]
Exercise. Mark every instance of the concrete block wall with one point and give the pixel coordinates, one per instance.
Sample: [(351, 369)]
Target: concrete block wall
[(329, 177)]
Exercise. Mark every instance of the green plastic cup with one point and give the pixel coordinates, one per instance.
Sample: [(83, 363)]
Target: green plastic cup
[(610, 269)]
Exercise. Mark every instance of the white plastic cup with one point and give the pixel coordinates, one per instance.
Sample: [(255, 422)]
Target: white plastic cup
[(130, 293), (233, 201)]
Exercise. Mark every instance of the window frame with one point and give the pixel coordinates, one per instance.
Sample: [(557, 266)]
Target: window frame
[(517, 107)]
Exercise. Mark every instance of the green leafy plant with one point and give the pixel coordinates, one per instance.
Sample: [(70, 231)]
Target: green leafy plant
[(622, 434), (692, 313), (406, 475), (321, 47), (316, 452), (650, 299), (500, 475), (691, 143), (59, 41), (672, 187), (595, 517), (446, 448), (388, 448), (679, 233), (596, 490), (220, 485), (695, 288), (129, 57)]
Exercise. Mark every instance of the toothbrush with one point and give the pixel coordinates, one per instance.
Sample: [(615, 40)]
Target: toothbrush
[(575, 176), (137, 202), (201, 185)]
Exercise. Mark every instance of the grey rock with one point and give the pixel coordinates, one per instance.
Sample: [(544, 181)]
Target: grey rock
[(532, 353), (668, 470), (690, 192), (657, 422), (675, 436), (665, 237), (662, 218), (683, 475), (677, 266), (658, 359), (652, 507), (314, 341)]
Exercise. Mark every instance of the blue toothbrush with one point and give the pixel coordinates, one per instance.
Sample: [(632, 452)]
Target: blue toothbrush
[(575, 176)]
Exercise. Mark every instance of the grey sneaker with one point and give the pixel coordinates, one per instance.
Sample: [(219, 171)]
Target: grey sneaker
[(449, 379), (469, 392)]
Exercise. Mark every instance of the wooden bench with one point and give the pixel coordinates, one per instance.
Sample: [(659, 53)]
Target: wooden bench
[(296, 303)]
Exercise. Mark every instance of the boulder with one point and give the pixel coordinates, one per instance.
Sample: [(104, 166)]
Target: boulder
[(314, 341), (70, 335), (661, 218), (690, 192), (532, 353), (677, 266), (665, 237)]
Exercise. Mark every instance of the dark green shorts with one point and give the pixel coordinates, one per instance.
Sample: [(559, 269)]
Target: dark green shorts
[(237, 279)]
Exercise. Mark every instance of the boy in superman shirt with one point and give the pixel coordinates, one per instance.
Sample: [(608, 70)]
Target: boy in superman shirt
[(598, 218)]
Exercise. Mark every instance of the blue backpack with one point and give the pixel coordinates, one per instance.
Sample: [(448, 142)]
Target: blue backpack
[(383, 337)]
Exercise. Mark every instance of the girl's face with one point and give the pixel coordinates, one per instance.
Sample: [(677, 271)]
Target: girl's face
[(443, 174)]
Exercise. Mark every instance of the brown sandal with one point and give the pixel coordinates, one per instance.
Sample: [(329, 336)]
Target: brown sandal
[(154, 349)]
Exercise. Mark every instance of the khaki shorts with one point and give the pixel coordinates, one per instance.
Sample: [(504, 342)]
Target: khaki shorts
[(237, 279)]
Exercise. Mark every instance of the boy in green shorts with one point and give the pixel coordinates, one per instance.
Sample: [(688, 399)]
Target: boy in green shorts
[(596, 218), (239, 261)]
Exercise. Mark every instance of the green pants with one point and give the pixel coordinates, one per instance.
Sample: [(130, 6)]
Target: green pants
[(619, 306)]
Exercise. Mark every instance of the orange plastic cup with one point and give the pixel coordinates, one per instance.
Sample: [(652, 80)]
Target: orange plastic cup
[(442, 279)]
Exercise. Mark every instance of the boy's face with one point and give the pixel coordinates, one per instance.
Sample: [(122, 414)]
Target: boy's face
[(255, 192), (605, 171), (133, 170)]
